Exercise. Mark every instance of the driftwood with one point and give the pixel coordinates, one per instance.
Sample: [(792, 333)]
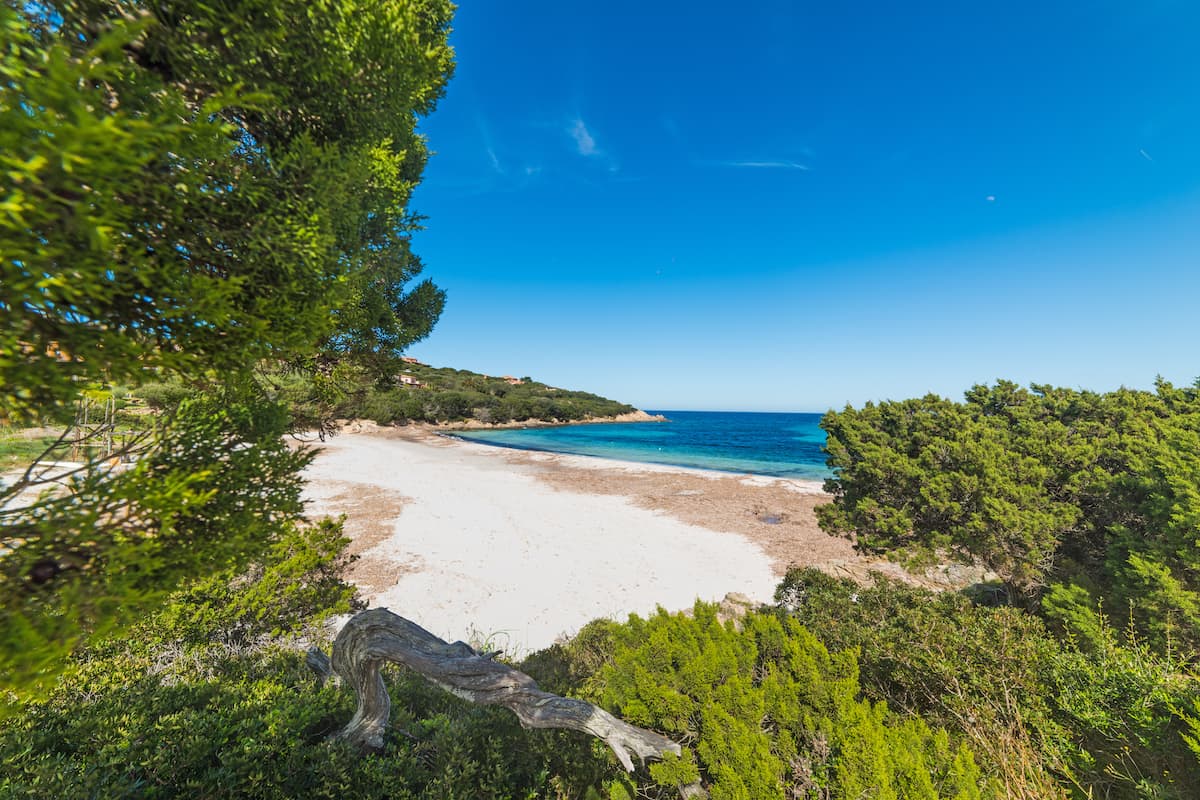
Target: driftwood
[(371, 637)]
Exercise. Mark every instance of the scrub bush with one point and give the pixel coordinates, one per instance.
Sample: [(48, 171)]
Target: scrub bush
[(766, 711), (1047, 716)]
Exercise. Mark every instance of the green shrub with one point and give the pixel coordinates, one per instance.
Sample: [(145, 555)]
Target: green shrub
[(767, 712), (384, 407), (163, 396), (216, 486), (1119, 700), (210, 697), (1090, 716), (1045, 485), (296, 586)]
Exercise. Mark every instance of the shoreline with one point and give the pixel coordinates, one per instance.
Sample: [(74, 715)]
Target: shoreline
[(449, 429), (525, 547), (651, 466), (435, 431), (470, 540), (637, 415)]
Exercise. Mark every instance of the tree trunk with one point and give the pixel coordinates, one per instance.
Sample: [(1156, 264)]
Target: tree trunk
[(371, 637)]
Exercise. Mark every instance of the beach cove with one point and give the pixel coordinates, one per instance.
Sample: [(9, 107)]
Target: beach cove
[(519, 549)]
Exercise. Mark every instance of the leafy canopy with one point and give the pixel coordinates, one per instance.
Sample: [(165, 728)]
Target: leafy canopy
[(189, 188), (195, 187)]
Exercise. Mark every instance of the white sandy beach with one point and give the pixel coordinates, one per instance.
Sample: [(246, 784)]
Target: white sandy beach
[(470, 543)]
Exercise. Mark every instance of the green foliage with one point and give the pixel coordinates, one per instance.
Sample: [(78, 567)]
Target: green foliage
[(1045, 716), (1117, 698), (254, 724), (188, 190), (1081, 501), (83, 169), (18, 448), (216, 487), (1099, 491), (1191, 717), (767, 712), (210, 697), (164, 395), (297, 584), (195, 187), (349, 391), (930, 476)]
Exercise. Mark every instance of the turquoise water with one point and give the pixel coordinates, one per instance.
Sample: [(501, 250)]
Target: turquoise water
[(780, 445)]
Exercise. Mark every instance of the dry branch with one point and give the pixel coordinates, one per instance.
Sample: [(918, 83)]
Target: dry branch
[(374, 636)]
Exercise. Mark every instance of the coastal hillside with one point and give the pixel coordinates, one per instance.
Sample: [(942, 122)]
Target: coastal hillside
[(419, 392), (415, 393)]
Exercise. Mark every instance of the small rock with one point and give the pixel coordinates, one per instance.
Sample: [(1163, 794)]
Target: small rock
[(734, 607)]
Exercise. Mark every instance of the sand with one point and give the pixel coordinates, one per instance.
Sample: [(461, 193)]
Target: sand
[(517, 550)]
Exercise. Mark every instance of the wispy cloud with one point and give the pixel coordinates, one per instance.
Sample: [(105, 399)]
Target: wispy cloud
[(496, 165), (1145, 155), (489, 147), (766, 165), (584, 141)]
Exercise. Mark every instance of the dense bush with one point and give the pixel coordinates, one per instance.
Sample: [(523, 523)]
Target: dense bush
[(1096, 493), (210, 697), (214, 488), (1095, 716), (165, 395), (897, 695), (765, 711)]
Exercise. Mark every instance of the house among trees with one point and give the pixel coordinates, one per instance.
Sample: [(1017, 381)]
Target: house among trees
[(409, 380), (511, 381), (411, 360)]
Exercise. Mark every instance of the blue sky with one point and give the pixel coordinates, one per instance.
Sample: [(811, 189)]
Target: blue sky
[(794, 206)]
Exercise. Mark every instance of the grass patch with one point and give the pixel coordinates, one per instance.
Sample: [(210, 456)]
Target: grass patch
[(19, 448)]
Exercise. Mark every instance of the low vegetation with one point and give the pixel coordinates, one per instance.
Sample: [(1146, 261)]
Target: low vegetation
[(833, 691), (1078, 500), (19, 447), (210, 696), (1046, 715), (1087, 506), (421, 393)]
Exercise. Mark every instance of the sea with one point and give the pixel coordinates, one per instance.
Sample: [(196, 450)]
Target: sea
[(774, 444)]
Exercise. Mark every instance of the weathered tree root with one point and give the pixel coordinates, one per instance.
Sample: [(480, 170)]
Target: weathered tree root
[(374, 636)]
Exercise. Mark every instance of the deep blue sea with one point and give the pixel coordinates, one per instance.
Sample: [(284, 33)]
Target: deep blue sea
[(782, 445)]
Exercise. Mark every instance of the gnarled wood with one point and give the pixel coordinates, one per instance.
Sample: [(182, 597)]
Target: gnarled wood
[(374, 636)]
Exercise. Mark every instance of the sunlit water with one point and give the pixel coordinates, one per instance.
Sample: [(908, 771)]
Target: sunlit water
[(781, 445)]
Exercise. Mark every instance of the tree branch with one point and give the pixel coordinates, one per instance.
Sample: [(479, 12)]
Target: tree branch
[(377, 635)]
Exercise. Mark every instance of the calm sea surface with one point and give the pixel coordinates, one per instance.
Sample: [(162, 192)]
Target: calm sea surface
[(783, 445)]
